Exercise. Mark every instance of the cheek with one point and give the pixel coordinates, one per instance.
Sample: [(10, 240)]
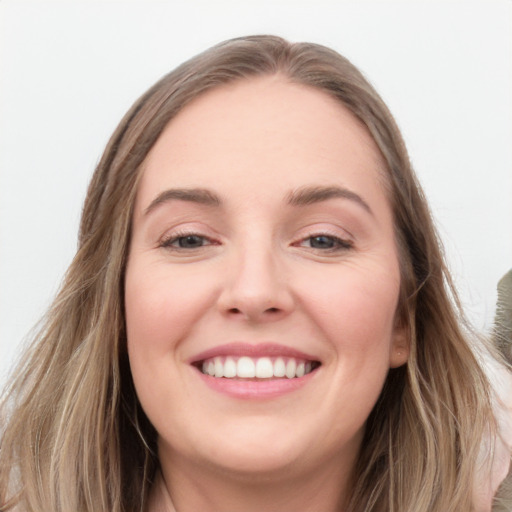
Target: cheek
[(356, 309), (162, 308)]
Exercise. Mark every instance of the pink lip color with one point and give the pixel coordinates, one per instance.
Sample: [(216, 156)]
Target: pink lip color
[(246, 349), (253, 389)]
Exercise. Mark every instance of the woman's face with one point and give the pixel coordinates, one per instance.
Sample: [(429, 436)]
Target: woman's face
[(262, 281)]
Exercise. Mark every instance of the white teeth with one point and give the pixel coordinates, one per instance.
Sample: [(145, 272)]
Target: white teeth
[(291, 366), (229, 368), (245, 368), (279, 367), (219, 367), (264, 368), (261, 367)]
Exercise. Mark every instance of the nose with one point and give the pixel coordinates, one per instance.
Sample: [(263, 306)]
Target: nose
[(256, 288)]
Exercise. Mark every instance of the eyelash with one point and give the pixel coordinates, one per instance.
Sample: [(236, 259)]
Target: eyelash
[(338, 244), (169, 242)]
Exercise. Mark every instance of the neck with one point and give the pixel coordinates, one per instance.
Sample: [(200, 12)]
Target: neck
[(320, 489)]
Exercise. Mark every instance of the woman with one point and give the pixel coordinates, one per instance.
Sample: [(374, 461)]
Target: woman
[(258, 316)]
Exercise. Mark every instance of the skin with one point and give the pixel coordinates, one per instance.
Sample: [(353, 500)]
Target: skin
[(257, 275)]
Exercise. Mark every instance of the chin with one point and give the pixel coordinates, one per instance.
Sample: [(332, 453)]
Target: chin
[(258, 463), (259, 448)]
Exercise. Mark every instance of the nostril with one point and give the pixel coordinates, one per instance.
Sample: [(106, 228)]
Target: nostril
[(272, 312)]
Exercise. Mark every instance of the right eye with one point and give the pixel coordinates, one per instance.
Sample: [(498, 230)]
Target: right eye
[(186, 241)]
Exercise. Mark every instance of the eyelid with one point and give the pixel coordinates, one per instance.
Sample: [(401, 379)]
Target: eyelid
[(169, 241), (166, 240), (342, 244), (344, 241)]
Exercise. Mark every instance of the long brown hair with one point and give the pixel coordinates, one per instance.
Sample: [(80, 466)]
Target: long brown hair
[(74, 436)]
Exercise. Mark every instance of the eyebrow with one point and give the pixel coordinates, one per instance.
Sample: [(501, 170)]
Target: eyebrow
[(309, 195), (193, 195), (303, 196)]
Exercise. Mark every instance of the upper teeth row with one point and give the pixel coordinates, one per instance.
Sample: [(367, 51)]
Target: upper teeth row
[(261, 367)]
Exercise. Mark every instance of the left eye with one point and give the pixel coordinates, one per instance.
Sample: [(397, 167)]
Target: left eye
[(326, 242), (186, 242)]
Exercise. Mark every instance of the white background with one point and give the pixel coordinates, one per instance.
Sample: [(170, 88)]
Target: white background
[(69, 70)]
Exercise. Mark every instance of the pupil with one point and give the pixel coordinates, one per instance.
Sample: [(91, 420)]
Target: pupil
[(322, 242), (190, 241)]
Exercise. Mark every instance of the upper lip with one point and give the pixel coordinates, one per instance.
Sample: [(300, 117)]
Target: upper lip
[(251, 350)]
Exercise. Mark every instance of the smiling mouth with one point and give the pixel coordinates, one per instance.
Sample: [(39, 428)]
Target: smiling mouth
[(256, 368)]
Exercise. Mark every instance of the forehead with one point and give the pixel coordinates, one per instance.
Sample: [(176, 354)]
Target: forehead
[(260, 129)]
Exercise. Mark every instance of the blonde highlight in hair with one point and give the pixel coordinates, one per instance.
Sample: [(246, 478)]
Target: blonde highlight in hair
[(75, 437)]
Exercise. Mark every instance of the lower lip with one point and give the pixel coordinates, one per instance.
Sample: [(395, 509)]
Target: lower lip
[(252, 389)]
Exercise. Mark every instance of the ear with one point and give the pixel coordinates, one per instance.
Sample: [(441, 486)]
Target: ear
[(400, 346)]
